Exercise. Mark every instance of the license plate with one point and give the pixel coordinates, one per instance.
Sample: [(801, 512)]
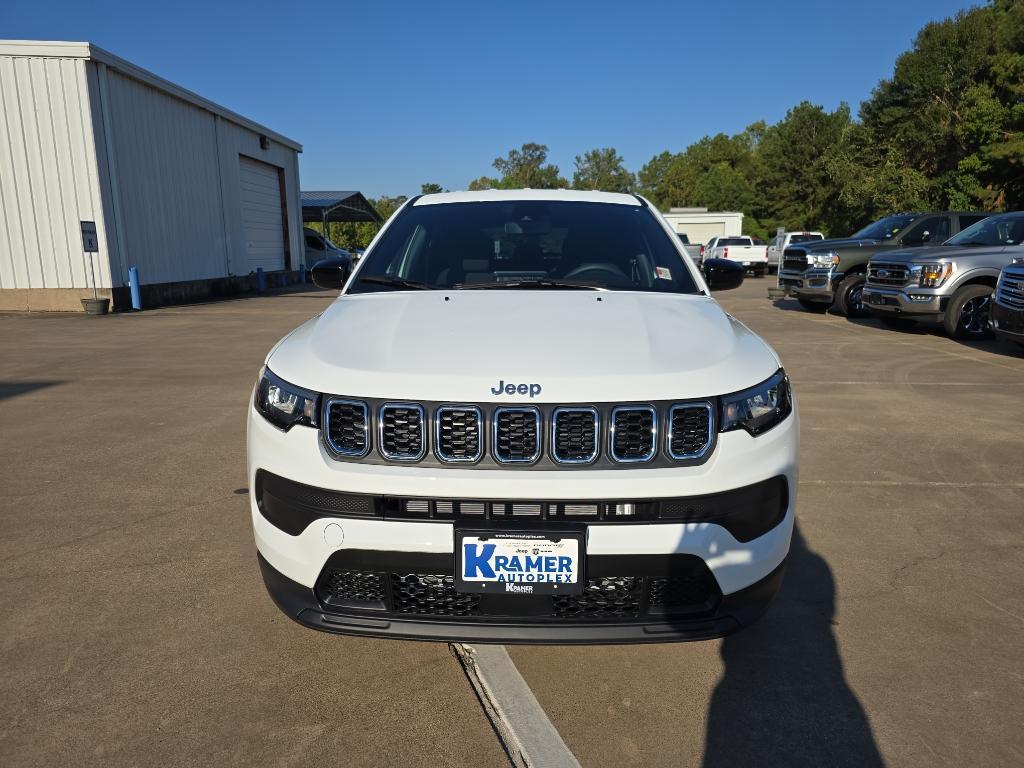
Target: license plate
[(746, 263), (875, 298), (518, 563)]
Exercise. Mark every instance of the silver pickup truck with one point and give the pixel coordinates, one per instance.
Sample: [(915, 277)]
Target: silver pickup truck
[(951, 283)]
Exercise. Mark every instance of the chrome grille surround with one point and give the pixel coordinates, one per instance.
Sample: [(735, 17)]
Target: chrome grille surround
[(440, 439), (555, 436), (1010, 290), (362, 430), (383, 437), (496, 441), (614, 429), (709, 439), (889, 274)]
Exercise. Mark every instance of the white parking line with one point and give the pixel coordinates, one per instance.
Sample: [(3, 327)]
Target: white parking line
[(528, 736)]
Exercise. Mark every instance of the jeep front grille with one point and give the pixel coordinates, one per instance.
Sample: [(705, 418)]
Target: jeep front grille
[(517, 436), (401, 428), (634, 433), (1011, 288), (880, 273), (575, 435), (458, 433), (690, 430), (347, 427)]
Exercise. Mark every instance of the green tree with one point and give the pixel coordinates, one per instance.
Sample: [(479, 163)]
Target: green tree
[(602, 169), (523, 168), (431, 189)]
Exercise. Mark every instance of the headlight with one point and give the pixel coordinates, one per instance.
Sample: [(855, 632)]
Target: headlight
[(933, 275), (823, 260), (284, 405), (759, 408)]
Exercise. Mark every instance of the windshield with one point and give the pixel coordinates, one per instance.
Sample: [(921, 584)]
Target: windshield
[(805, 238), (995, 230), (525, 244), (885, 228)]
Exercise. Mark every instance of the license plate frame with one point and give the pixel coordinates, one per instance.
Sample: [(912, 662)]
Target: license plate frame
[(525, 543)]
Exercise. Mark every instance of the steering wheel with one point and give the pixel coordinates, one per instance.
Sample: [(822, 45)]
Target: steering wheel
[(598, 270)]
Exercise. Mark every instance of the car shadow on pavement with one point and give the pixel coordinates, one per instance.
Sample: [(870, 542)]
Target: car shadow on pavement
[(783, 699), (15, 388)]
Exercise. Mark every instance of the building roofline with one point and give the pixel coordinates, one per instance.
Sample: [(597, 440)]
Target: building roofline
[(63, 49)]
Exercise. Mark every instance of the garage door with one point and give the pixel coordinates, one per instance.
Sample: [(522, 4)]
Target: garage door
[(262, 216)]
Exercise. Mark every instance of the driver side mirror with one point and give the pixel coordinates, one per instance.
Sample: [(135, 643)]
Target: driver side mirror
[(722, 274), (332, 273)]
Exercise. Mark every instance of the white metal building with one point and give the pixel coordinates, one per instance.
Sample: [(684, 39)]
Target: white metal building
[(193, 195), (700, 225)]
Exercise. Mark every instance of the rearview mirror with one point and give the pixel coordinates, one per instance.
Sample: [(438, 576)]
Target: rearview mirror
[(722, 274), (332, 273)]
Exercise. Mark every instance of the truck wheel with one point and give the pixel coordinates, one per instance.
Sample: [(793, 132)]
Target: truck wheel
[(967, 313), (901, 323), (849, 297), (813, 306)]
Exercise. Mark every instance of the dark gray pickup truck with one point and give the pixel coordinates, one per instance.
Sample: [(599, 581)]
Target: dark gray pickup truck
[(831, 273)]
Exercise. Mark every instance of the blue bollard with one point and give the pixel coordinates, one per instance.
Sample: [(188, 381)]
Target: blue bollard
[(133, 282), (261, 283)]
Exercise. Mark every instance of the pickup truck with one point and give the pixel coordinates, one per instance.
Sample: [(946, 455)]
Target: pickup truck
[(524, 419), (781, 242), (831, 273), (1008, 303), (738, 248), (693, 251), (951, 283)]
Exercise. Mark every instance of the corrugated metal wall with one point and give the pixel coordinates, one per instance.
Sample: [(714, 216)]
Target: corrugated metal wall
[(48, 175)]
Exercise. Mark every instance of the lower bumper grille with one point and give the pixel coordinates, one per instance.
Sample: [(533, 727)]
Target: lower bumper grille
[(687, 587)]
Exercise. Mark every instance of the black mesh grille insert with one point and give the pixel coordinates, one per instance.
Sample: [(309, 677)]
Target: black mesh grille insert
[(458, 434), (691, 591), (344, 587), (634, 433), (609, 597), (690, 430), (574, 435), (347, 427), (401, 431), (431, 595), (517, 435)]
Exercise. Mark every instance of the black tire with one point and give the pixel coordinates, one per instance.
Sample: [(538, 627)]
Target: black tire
[(813, 306), (848, 297), (901, 323), (967, 313)]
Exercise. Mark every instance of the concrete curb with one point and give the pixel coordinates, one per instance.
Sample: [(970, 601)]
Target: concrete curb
[(528, 736)]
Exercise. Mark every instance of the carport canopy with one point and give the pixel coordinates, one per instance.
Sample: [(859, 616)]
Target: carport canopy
[(326, 207)]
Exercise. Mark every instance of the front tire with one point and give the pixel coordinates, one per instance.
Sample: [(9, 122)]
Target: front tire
[(967, 313), (849, 297)]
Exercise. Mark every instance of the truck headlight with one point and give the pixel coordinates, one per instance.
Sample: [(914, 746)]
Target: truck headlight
[(823, 260), (759, 408), (934, 275), (284, 405)]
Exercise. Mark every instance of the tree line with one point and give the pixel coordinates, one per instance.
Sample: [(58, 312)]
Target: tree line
[(945, 132)]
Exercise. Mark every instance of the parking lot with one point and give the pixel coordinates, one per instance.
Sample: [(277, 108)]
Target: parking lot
[(136, 629)]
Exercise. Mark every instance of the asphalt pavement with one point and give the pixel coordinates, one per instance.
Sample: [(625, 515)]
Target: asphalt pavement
[(135, 630)]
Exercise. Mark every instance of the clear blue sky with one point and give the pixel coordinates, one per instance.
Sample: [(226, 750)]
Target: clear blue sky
[(384, 96)]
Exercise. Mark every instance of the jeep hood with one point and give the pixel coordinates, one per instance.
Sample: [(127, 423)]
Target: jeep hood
[(579, 346)]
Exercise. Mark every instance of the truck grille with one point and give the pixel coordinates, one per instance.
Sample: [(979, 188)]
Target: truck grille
[(690, 430), (516, 435), (634, 433), (458, 432), (794, 260), (357, 589), (881, 273), (575, 434), (348, 427), (401, 431), (1011, 288)]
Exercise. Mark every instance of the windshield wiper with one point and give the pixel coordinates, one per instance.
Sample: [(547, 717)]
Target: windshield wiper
[(395, 282), (529, 284)]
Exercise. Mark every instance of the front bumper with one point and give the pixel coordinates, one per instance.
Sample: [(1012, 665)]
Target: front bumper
[(922, 303), (627, 562), (1007, 323), (812, 284)]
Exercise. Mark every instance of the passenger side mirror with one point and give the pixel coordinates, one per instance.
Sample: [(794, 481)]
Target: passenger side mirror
[(722, 274), (332, 273)]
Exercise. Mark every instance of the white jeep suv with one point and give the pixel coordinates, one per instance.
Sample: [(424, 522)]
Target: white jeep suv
[(524, 420)]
